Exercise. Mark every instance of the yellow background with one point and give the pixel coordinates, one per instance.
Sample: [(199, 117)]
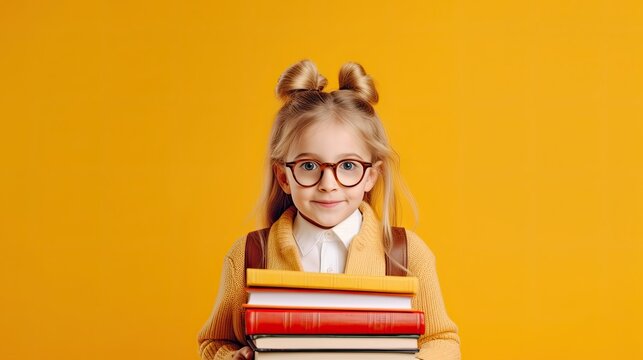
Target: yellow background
[(132, 142)]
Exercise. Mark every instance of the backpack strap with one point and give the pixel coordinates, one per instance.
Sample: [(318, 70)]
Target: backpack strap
[(399, 253), (255, 257), (255, 244)]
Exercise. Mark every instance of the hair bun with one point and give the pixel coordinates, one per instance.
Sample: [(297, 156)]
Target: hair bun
[(353, 77), (300, 76)]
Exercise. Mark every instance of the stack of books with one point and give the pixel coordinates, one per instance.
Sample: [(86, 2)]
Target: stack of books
[(305, 315)]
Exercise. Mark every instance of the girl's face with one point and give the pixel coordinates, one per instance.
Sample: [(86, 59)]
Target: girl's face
[(327, 203)]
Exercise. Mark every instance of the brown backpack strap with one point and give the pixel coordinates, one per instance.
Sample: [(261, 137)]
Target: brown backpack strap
[(255, 245), (398, 253)]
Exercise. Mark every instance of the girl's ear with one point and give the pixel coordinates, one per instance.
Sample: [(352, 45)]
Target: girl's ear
[(282, 178), (371, 176)]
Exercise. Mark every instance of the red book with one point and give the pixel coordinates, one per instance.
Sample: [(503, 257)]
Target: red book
[(261, 321)]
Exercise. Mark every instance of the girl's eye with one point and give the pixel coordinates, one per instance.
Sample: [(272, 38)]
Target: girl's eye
[(308, 165), (348, 165)]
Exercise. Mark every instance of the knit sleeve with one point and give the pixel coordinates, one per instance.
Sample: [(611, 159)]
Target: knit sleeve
[(219, 337), (440, 340)]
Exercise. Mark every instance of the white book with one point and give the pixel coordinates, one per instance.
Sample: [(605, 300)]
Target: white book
[(334, 355), (326, 299), (334, 342)]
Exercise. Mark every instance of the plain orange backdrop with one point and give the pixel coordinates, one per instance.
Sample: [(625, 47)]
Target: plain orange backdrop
[(133, 135)]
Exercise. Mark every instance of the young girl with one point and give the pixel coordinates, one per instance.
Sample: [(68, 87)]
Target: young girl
[(330, 161)]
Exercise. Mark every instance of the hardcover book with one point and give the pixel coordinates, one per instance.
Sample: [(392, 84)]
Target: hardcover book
[(340, 322), (314, 280), (401, 343), (326, 299), (344, 355)]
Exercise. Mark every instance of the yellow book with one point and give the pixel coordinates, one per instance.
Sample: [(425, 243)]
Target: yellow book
[(326, 281)]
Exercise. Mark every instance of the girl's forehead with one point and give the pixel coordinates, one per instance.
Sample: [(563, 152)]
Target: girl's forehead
[(329, 141)]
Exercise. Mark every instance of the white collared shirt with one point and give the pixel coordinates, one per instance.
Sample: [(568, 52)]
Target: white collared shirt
[(325, 250)]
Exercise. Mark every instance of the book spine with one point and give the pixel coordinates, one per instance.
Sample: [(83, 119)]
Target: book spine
[(317, 322), (300, 279)]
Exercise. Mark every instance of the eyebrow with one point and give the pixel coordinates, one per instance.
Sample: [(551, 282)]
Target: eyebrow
[(340, 156)]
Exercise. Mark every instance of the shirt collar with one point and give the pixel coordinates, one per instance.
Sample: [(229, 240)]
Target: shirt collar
[(308, 235)]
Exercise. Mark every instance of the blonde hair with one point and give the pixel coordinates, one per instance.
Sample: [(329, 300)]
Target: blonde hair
[(304, 103)]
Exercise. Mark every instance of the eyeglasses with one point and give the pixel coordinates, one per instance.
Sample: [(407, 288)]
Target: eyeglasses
[(348, 172)]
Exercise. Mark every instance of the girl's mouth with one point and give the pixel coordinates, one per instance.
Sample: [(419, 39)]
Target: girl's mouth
[(327, 204)]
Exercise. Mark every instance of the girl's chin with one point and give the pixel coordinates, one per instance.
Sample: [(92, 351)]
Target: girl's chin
[(325, 222)]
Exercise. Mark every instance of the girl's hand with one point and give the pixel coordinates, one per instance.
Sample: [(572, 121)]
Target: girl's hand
[(245, 353)]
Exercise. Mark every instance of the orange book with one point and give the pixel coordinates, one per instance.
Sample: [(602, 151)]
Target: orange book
[(314, 280)]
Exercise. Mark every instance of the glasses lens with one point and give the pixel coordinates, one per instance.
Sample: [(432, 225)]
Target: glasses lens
[(307, 172), (349, 172)]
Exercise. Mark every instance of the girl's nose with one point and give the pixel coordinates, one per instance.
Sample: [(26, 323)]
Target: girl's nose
[(328, 181)]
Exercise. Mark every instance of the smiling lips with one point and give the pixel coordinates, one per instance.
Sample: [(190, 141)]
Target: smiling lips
[(327, 204)]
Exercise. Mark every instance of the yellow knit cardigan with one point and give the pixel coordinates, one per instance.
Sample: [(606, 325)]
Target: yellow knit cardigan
[(222, 334)]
